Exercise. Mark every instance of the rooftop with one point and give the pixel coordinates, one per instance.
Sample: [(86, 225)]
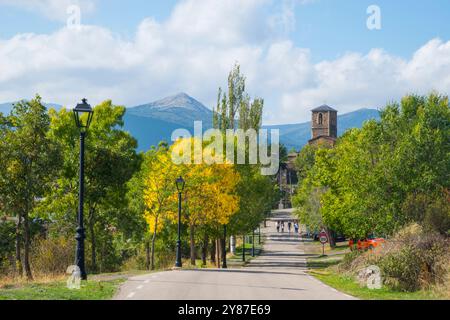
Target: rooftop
[(324, 108)]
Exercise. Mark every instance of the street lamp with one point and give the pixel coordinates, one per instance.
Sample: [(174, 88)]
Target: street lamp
[(224, 248), (253, 243), (83, 114), (180, 187), (243, 248)]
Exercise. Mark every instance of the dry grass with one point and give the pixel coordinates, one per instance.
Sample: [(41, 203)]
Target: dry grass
[(9, 282), (49, 261), (412, 260), (443, 290)]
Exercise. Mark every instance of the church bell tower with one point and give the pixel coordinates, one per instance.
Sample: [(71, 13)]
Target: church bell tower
[(324, 124)]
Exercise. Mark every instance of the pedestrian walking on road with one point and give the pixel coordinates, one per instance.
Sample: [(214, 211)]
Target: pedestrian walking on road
[(278, 226), (282, 227), (289, 226), (296, 227)]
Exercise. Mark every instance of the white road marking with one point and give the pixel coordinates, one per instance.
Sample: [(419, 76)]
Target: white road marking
[(131, 295), (140, 287), (146, 281)]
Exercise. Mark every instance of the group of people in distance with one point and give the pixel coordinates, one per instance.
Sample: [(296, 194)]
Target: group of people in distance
[(281, 226)]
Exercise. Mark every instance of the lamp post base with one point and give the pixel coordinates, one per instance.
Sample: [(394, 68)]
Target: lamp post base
[(79, 259), (178, 263)]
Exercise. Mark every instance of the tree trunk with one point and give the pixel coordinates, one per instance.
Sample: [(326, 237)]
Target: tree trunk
[(223, 243), (192, 241), (213, 251), (93, 240), (331, 238), (147, 254), (218, 252), (12, 263), (27, 233), (152, 261), (205, 250), (26, 257), (18, 266)]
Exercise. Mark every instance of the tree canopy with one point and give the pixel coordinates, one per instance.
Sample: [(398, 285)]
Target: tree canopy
[(375, 176)]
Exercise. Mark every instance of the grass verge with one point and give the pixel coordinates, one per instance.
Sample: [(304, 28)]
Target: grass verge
[(90, 290), (349, 286), (323, 268), (237, 258)]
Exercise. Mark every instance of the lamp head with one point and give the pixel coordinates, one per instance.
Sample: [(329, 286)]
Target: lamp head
[(83, 122), (180, 184)]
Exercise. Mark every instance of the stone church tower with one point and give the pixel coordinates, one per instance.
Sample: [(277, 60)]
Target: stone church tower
[(324, 126)]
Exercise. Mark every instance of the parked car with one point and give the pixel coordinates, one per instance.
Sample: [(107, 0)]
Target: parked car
[(366, 244)]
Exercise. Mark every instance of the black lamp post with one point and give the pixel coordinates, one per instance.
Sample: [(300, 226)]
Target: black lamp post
[(243, 248), (253, 243), (83, 114), (180, 187), (224, 248)]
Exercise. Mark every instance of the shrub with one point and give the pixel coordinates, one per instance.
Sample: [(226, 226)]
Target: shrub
[(7, 248), (415, 259), (53, 255), (401, 269), (412, 260), (348, 263), (437, 216), (164, 258)]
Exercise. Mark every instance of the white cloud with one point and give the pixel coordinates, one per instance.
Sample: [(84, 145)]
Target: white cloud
[(193, 51), (52, 9)]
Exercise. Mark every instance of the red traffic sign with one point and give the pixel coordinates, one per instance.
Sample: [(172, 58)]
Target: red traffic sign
[(323, 237)]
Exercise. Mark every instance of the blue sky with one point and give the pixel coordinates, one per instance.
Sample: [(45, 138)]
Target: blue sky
[(320, 38), (328, 27)]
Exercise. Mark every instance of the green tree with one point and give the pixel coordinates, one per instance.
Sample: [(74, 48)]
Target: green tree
[(29, 161), (386, 174), (158, 179), (236, 110), (111, 161)]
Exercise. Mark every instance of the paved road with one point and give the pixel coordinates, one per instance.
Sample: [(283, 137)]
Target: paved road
[(278, 274)]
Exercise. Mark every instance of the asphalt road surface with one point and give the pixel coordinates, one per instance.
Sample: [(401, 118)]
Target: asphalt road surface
[(278, 274)]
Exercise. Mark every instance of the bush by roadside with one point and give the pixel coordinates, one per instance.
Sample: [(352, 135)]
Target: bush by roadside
[(412, 260), (53, 256)]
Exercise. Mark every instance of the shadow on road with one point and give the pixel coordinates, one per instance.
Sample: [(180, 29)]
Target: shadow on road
[(278, 254), (248, 269), (214, 284)]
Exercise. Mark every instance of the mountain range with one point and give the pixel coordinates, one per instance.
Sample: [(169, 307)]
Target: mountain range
[(153, 122), (295, 136), (6, 108)]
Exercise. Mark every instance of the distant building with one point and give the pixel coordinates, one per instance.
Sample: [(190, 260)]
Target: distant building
[(324, 126), (287, 181), (324, 132)]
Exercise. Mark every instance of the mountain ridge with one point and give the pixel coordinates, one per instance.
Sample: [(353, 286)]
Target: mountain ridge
[(178, 109), (155, 121)]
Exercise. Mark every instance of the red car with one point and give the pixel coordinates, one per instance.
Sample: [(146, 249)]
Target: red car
[(366, 244)]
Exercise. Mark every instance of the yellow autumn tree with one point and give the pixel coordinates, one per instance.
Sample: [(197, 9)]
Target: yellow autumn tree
[(159, 189), (210, 193)]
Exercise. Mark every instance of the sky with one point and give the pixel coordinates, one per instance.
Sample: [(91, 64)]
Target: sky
[(296, 54)]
